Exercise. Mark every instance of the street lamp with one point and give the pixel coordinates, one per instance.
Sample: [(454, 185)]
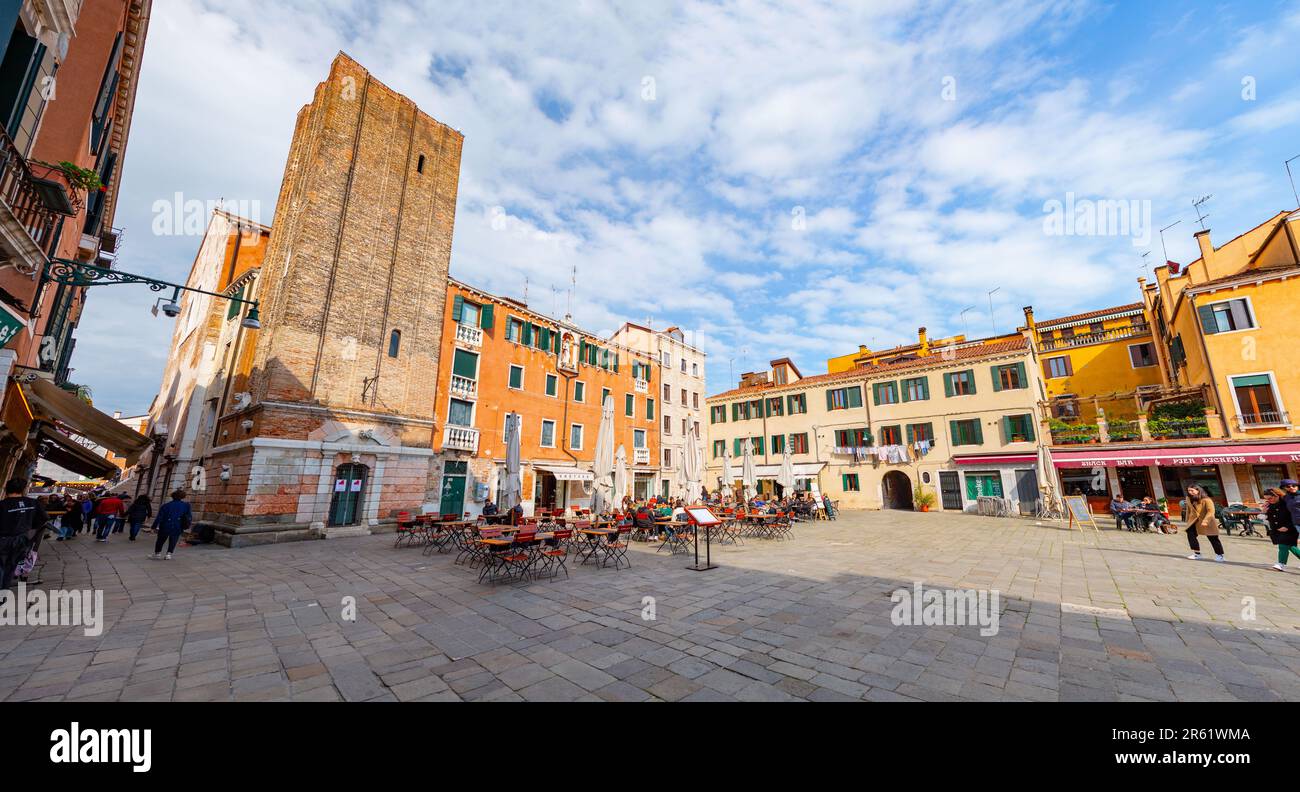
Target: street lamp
[(78, 273)]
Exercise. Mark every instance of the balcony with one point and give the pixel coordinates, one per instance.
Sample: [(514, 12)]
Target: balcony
[(460, 438), (641, 386), (640, 456), (34, 199), (1264, 419), (1128, 430), (468, 335), (1114, 334), (464, 387)]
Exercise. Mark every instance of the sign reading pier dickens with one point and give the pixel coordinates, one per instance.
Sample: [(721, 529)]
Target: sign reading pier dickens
[(56, 608), (946, 608)]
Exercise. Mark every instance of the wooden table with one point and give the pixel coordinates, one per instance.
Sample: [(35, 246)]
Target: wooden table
[(593, 537)]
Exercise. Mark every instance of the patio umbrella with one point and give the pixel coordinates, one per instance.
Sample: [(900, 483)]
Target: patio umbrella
[(691, 468), (1050, 500), (510, 489), (727, 481), (602, 466), (785, 477), (620, 476), (748, 478)]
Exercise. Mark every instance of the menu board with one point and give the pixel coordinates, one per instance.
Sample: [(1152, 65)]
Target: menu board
[(702, 516)]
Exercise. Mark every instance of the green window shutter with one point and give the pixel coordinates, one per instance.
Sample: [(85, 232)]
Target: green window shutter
[(972, 488), (953, 433), (649, 409), (947, 385), (875, 394), (910, 435), (929, 430), (528, 334), (844, 482), (1029, 428), (855, 396), (629, 405), (830, 400), (904, 392), (1023, 377), (545, 340), (979, 431), (457, 306), (925, 388), (615, 362), (735, 447), (997, 381), (970, 374), (233, 310), (789, 405), (465, 364), (485, 315), (1006, 429), (1209, 323), (735, 411)]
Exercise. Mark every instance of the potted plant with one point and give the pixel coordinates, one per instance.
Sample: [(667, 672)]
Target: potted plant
[(922, 498), (84, 178)]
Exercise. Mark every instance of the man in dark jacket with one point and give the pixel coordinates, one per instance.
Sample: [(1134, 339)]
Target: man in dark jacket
[(1292, 500), (20, 516), (139, 511), (173, 519)]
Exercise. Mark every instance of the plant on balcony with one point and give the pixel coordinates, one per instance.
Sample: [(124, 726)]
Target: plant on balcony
[(83, 178), (1069, 434)]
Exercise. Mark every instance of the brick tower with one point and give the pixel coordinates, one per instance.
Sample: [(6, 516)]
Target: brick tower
[(341, 378)]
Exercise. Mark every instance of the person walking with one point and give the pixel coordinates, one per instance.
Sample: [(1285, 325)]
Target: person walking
[(1281, 526), (173, 519), (139, 511), (72, 518), (1202, 522), (20, 517), (107, 512)]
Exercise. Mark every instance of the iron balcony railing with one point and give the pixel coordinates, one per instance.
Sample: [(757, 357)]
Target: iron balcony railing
[(1114, 334), (1262, 418), (39, 196)]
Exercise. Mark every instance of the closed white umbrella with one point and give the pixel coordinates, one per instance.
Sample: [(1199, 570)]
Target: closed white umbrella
[(690, 470), (1050, 502), (728, 482), (785, 477), (620, 476), (602, 466), (511, 489), (748, 477)]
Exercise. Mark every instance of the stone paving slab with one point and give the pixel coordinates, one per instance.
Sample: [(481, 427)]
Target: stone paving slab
[(1082, 617)]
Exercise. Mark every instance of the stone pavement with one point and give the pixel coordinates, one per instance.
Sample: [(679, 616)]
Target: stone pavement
[(1112, 617)]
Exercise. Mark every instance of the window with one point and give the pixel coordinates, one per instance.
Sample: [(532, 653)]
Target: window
[(552, 384), (986, 484), (469, 314), (885, 392), (796, 404), (1065, 406), (683, 365), (778, 375), (1011, 377), (719, 448), (1142, 355), (575, 437), (1018, 429), (629, 405), (419, 164), (683, 397), (757, 444), (579, 391), (460, 413), (968, 432), (917, 433), (548, 434), (851, 438), (667, 359), (683, 427), (668, 457), (774, 406), (778, 444), (1257, 402), (916, 389), (668, 393), (668, 424), (695, 401), (649, 409), (514, 330), (695, 369), (799, 443), (604, 394), (638, 438), (1269, 476), (464, 364), (1082, 481), (718, 414), (517, 377), (959, 383), (1058, 367), (696, 424), (844, 398), (891, 435), (849, 482), (1226, 316)]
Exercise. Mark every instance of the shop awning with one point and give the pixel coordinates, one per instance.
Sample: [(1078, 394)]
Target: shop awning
[(71, 455), (52, 403), (997, 459), (801, 470), (1186, 456), (563, 473)]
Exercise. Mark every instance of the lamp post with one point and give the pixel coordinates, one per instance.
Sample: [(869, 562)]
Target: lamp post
[(77, 273)]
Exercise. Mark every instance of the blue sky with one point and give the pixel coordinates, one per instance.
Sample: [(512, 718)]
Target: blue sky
[(780, 179)]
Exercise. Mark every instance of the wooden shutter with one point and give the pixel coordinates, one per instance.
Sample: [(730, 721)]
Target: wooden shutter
[(457, 306), (954, 433), (1029, 428), (997, 379), (979, 431), (875, 393), (1208, 322), (1006, 429), (925, 388), (947, 385), (485, 316), (830, 400), (1023, 377), (855, 396)]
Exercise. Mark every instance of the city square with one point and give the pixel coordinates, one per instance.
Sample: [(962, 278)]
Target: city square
[(1083, 616)]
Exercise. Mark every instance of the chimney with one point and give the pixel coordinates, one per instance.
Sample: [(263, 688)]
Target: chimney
[(1029, 317), (1207, 248), (117, 414), (924, 340)]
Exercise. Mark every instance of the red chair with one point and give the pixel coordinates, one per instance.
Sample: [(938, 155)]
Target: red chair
[(404, 526), (556, 553)]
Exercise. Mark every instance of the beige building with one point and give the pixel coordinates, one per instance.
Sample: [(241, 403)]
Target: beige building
[(961, 421)]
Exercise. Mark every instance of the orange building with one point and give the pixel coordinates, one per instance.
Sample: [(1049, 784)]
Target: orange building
[(500, 357)]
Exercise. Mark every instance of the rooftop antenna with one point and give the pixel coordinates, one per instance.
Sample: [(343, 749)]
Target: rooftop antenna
[(1291, 177), (1200, 218), (573, 286), (1146, 265), (966, 321), (525, 290), (555, 297), (1164, 249), (992, 323)]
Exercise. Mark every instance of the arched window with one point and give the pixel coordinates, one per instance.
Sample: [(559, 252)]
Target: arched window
[(419, 165), (394, 343)]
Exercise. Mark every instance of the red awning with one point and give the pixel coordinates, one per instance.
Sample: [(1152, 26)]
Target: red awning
[(1005, 459), (1179, 457)]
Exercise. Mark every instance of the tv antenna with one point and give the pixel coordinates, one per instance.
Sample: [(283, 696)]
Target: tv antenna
[(1146, 265), (992, 323), (1291, 178), (1200, 218), (1164, 249), (966, 321)]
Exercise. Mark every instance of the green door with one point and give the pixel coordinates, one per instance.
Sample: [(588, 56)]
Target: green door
[(349, 486), (453, 488)]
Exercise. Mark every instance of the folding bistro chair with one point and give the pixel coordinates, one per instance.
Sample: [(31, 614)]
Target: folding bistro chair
[(675, 539), (405, 529), (519, 561), (616, 547), (555, 553)]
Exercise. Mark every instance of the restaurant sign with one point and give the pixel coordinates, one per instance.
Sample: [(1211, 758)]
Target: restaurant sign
[(1179, 458), (10, 324)]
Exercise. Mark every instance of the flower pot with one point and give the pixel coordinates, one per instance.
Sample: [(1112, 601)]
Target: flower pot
[(925, 508)]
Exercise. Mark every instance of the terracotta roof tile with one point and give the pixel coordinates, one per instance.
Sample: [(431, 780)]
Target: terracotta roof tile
[(1091, 314)]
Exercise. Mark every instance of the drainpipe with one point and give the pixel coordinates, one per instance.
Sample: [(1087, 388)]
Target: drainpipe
[(1209, 366)]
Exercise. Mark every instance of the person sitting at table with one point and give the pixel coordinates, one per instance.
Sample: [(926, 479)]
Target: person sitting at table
[(1121, 510), (489, 508), (663, 510), (517, 514), (1150, 515)]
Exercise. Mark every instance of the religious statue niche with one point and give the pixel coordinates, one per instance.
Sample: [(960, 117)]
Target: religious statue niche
[(568, 352)]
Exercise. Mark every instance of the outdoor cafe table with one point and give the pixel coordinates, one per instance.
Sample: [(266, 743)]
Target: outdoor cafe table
[(451, 527), (593, 537), (761, 524), (1244, 516)]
